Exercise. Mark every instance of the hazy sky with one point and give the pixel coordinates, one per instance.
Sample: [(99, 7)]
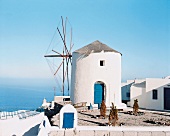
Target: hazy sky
[(139, 29)]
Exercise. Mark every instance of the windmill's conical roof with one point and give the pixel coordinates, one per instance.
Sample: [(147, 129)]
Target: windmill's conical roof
[(95, 47)]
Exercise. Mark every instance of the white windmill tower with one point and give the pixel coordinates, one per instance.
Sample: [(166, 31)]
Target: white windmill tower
[(96, 75)]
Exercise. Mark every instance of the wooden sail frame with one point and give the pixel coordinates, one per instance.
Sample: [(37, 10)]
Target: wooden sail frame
[(66, 54)]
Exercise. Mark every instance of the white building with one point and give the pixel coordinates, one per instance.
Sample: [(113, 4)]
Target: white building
[(152, 93), (125, 90), (96, 75)]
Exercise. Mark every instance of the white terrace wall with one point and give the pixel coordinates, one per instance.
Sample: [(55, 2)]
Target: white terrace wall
[(86, 70), (19, 127), (113, 131)]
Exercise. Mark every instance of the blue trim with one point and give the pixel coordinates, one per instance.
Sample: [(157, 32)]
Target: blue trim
[(98, 93), (68, 120)]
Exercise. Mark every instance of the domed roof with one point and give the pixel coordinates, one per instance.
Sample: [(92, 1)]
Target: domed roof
[(95, 47)]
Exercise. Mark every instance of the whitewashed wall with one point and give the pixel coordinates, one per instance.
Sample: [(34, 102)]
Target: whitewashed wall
[(16, 126), (137, 91), (68, 109), (86, 70), (159, 85), (143, 92)]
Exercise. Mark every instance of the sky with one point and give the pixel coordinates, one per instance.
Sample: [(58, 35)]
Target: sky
[(139, 29)]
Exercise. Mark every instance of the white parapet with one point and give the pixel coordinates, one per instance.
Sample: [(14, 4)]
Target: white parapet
[(16, 126)]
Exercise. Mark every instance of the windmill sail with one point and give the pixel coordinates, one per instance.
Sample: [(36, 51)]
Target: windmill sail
[(61, 53)]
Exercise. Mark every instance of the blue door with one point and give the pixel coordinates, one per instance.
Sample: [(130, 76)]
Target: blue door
[(98, 93), (68, 120)]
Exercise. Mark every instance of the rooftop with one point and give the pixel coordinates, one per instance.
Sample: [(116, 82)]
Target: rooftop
[(95, 47)]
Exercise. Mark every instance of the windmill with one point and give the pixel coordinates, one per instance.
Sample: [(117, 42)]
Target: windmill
[(60, 49)]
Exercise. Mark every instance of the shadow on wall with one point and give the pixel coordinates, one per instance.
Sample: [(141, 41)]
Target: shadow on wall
[(145, 99), (33, 131), (142, 84), (125, 92)]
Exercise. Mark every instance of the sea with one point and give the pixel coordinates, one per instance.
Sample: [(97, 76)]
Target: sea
[(13, 98)]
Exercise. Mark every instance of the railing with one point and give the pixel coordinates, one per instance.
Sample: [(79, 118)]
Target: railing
[(19, 114)]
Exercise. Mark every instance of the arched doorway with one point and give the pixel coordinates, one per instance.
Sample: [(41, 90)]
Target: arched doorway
[(99, 92)]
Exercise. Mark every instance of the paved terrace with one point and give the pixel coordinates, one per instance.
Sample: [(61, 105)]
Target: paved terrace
[(91, 128)]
